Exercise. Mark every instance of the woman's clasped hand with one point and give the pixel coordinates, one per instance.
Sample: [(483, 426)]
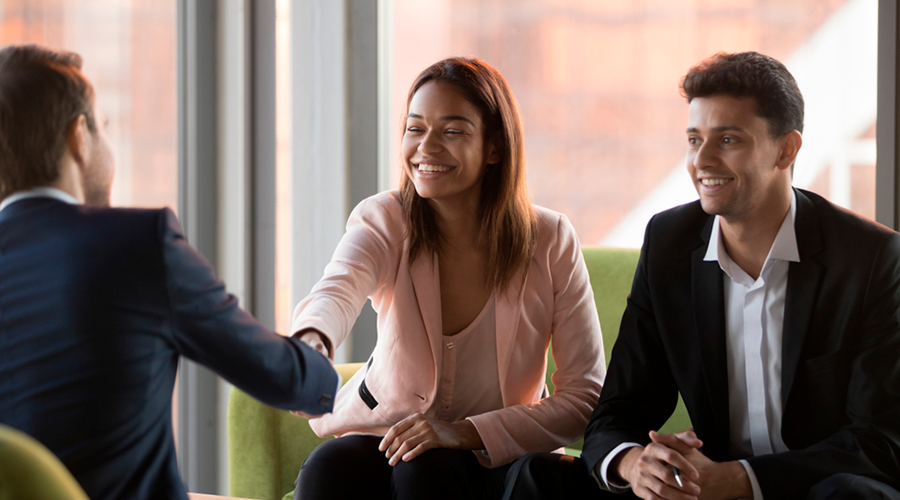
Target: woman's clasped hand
[(417, 433)]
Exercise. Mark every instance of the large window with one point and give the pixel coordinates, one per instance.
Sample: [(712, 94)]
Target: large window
[(283, 298), (597, 82), (129, 52)]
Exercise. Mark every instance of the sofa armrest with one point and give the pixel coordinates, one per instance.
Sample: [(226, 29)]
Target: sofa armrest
[(266, 446)]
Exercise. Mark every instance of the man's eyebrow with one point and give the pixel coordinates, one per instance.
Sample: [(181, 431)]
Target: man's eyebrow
[(449, 118), (724, 128)]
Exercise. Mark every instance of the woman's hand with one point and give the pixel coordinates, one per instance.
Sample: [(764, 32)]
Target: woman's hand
[(315, 339), (417, 433)]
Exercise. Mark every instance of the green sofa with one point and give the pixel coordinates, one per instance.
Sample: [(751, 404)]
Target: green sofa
[(266, 446)]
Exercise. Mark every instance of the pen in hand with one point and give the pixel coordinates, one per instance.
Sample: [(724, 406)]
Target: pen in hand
[(677, 476)]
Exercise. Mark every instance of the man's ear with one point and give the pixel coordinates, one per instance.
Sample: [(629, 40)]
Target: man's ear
[(790, 146), (77, 138)]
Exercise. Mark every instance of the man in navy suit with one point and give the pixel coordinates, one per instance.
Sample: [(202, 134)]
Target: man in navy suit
[(97, 304), (773, 312)]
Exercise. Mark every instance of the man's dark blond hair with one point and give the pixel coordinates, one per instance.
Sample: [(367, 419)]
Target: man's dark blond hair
[(42, 92)]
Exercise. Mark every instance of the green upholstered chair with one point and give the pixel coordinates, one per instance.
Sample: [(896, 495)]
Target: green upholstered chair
[(266, 446), (612, 271), (29, 471)]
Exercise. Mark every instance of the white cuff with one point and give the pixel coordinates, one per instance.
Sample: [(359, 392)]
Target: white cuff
[(754, 484), (600, 470)]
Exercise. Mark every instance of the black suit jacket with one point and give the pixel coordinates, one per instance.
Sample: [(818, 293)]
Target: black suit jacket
[(96, 305), (840, 352)]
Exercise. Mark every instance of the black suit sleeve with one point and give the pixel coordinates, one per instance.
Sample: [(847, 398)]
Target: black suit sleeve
[(639, 393), (869, 444), (209, 327)]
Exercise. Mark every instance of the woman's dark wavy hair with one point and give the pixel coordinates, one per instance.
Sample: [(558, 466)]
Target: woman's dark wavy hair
[(750, 74), (508, 221)]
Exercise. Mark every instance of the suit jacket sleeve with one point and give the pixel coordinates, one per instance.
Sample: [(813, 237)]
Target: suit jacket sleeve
[(869, 444), (207, 326), (640, 393)]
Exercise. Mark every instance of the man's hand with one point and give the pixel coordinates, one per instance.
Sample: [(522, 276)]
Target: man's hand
[(315, 339), (417, 433), (649, 470), (717, 481)]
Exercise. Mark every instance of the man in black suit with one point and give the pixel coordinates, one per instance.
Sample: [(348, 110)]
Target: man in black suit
[(97, 304), (775, 313)]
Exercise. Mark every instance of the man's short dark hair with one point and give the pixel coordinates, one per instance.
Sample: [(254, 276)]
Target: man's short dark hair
[(41, 92), (750, 74)]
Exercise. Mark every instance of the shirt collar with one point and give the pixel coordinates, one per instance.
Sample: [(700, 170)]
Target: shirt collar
[(783, 248), (40, 192)]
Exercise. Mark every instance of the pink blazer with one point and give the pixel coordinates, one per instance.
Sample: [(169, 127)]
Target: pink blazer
[(401, 378)]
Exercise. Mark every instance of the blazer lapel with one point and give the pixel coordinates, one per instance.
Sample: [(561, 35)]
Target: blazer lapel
[(426, 282), (804, 278), (708, 300), (508, 312)]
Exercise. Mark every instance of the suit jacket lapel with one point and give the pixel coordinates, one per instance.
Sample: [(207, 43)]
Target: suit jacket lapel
[(708, 300), (426, 282), (803, 286)]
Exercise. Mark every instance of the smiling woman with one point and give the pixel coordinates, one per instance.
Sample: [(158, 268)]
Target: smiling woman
[(487, 148), (444, 146), (443, 406)]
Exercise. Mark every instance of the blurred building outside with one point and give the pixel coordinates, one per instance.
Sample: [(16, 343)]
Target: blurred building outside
[(129, 52), (597, 82)]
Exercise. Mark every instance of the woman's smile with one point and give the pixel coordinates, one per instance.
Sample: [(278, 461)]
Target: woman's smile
[(430, 170), (444, 144)]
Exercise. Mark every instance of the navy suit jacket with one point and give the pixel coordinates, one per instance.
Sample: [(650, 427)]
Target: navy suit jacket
[(96, 306), (840, 350)]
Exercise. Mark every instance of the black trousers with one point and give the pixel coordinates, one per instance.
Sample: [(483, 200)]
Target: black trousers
[(351, 467), (550, 475), (546, 475)]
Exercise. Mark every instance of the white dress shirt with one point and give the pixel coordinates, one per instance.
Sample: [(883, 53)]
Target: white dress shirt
[(754, 322), (40, 192)]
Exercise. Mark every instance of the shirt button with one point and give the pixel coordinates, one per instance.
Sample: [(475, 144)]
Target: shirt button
[(449, 345)]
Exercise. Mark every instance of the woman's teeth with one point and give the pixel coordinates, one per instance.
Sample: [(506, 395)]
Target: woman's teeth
[(424, 167)]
